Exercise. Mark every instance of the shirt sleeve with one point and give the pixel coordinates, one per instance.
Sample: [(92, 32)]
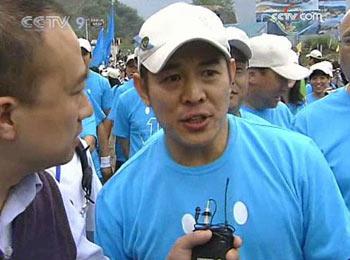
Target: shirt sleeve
[(326, 217), (89, 127), (121, 127), (300, 123), (109, 234), (112, 114), (86, 250), (107, 94)]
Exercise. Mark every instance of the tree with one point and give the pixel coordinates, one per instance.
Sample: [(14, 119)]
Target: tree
[(224, 9), (128, 22)]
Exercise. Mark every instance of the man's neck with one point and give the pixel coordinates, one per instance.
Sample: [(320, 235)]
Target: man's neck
[(251, 105), (10, 176), (200, 155), (318, 95)]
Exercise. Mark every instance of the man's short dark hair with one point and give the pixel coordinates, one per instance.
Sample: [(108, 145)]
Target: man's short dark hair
[(316, 73), (84, 52), (238, 55), (18, 47)]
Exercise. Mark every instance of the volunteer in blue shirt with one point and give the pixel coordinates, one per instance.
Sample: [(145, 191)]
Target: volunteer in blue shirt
[(273, 63), (186, 74), (110, 121), (320, 80), (97, 84), (240, 50), (327, 121), (135, 122)]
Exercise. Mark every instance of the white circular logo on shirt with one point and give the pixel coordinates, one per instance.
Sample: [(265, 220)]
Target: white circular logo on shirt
[(188, 223), (147, 110), (240, 213)]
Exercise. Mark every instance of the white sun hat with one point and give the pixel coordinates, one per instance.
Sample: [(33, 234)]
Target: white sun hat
[(85, 44), (173, 26), (240, 40), (316, 54), (274, 52), (324, 66)]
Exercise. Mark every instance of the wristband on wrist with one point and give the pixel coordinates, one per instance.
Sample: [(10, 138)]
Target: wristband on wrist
[(105, 162)]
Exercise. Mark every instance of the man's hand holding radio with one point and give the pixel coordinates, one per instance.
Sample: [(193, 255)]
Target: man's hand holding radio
[(182, 249)]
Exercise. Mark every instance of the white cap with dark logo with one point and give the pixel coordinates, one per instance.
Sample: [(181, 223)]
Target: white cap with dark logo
[(170, 28)]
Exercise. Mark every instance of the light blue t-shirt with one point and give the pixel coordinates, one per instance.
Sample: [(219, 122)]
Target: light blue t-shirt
[(327, 122), (295, 108), (134, 120), (112, 115), (250, 116), (282, 198), (280, 115), (99, 114), (100, 90), (117, 91), (89, 127), (99, 117), (308, 88), (310, 98)]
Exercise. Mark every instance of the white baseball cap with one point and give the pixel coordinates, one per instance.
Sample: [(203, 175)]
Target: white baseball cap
[(170, 28), (85, 44), (240, 40), (324, 66), (274, 52), (130, 57), (316, 54)]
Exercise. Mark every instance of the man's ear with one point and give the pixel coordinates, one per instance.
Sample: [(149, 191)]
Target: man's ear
[(7, 126), (252, 76), (232, 69), (142, 88)]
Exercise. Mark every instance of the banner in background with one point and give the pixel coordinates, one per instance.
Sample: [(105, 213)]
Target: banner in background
[(296, 17), (272, 6)]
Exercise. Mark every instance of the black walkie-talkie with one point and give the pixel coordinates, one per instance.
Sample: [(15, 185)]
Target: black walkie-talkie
[(222, 239)]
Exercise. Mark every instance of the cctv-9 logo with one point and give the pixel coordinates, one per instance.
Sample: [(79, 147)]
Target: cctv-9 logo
[(80, 22)]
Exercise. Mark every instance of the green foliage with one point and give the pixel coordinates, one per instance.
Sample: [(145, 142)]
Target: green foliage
[(128, 23), (327, 43), (225, 10)]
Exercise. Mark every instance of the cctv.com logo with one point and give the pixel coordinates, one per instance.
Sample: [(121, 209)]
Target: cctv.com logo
[(39, 23), (298, 15)]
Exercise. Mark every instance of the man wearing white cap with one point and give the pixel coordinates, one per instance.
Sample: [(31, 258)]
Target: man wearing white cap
[(314, 57), (274, 195), (271, 66), (320, 79), (95, 83), (130, 66), (240, 50), (327, 121), (100, 96)]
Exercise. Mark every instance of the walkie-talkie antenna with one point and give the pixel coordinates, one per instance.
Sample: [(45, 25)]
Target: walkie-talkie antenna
[(226, 187)]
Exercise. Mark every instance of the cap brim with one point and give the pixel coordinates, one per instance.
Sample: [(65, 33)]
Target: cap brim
[(311, 56), (292, 71), (157, 60), (244, 48), (328, 73)]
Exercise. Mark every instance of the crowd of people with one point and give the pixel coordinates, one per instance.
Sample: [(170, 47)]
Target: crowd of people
[(196, 104)]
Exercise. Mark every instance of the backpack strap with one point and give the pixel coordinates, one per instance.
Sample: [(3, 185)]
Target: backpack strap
[(87, 171)]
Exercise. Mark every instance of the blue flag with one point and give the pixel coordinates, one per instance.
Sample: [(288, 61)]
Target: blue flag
[(110, 33), (99, 53)]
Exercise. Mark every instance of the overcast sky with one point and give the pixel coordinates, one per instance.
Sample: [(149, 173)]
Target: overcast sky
[(146, 8)]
